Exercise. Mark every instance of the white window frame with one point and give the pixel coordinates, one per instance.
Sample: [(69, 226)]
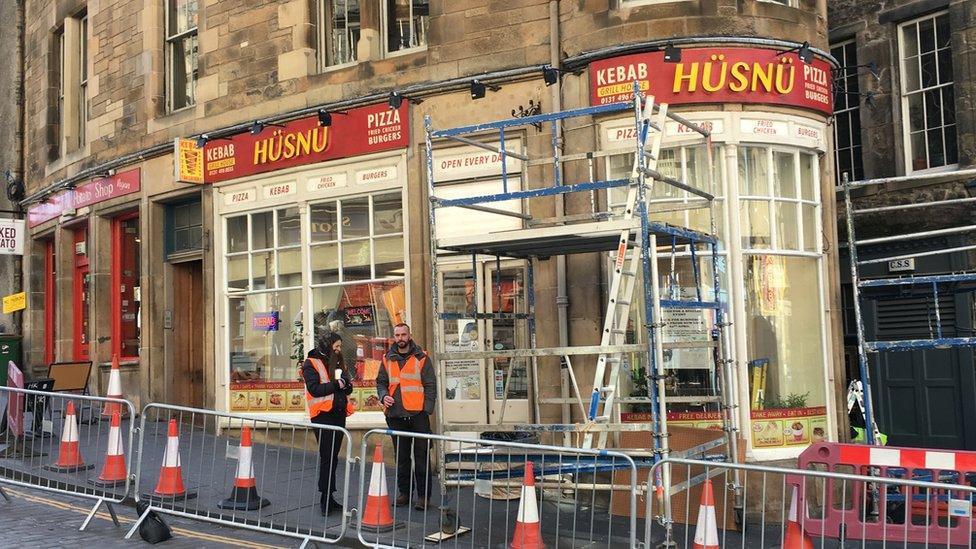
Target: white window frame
[(324, 19), (853, 109), (59, 40), (384, 23), (906, 122), (174, 40)]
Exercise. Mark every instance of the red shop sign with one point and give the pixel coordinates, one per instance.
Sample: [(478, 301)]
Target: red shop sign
[(715, 75), (362, 131), (98, 190)]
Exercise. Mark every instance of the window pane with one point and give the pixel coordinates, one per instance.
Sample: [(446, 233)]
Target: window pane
[(323, 222), (936, 151), (237, 234), (387, 214), (926, 35), (669, 164), (949, 105), (753, 172), (355, 260), (911, 73), (290, 268), (182, 16), (344, 31), (325, 263), (783, 326), (784, 181), (916, 112), (919, 158), (263, 331), (910, 37), (262, 269), (810, 236), (355, 218), (262, 231), (183, 61), (406, 24), (933, 108), (808, 185), (942, 34), (289, 227), (929, 77), (754, 219), (237, 273), (952, 156), (945, 66), (786, 226), (389, 256)]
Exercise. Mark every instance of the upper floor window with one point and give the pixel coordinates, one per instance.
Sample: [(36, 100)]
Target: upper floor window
[(71, 69), (58, 63), (181, 53), (406, 23), (927, 101), (847, 114), (82, 78), (339, 27)]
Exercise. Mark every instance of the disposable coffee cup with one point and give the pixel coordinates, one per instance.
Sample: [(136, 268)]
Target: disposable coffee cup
[(338, 373)]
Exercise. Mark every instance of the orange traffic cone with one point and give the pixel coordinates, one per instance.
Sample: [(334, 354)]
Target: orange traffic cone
[(114, 471), (170, 485), (376, 516), (795, 537), (706, 532), (114, 390), (527, 532), (244, 496), (69, 455)]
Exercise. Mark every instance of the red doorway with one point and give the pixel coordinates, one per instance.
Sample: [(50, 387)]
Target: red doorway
[(81, 299)]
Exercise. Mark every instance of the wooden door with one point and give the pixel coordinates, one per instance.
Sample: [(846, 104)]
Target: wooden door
[(187, 380)]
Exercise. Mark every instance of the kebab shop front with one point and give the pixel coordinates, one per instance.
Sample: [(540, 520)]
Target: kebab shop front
[(310, 233)]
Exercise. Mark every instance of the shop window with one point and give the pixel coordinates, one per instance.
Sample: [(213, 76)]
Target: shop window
[(81, 298), (184, 228), (50, 301), (406, 23), (779, 199), (181, 53), (847, 114), (126, 299), (355, 284), (928, 102), (784, 333), (339, 28)]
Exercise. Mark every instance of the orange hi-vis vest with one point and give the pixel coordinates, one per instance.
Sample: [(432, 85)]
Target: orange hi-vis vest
[(317, 405), (408, 379)]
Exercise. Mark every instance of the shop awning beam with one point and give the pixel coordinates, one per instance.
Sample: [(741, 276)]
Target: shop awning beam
[(532, 193), (658, 176), (533, 120), (913, 236), (496, 211), (547, 351)]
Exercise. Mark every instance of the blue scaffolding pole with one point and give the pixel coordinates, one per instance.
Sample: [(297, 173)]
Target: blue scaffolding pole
[(600, 233), (928, 283)]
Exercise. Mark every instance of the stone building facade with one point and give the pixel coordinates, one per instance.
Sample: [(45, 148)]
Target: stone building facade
[(904, 117), (11, 168), (208, 293)]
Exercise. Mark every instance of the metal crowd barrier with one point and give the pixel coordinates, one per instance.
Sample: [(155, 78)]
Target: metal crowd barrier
[(495, 493), (198, 464), (67, 444), (797, 508), (898, 513)]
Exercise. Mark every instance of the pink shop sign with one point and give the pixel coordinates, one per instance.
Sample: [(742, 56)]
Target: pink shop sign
[(98, 190)]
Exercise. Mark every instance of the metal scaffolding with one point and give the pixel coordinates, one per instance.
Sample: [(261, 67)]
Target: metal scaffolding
[(930, 284), (635, 244)]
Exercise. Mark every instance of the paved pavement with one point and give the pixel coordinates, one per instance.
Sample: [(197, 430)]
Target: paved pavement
[(34, 518)]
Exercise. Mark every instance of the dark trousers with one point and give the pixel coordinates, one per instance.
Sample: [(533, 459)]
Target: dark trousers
[(329, 443), (415, 448)]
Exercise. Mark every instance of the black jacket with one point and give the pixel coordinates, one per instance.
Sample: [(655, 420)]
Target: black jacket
[(315, 387), (427, 376)]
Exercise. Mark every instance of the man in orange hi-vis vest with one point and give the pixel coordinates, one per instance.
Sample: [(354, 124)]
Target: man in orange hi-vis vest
[(407, 386)]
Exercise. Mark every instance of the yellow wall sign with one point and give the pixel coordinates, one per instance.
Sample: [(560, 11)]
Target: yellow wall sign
[(189, 161), (14, 302)]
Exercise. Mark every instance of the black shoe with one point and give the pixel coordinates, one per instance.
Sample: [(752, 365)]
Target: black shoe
[(330, 506), (421, 504)]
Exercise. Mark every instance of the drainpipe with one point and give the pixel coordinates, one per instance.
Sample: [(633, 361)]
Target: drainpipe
[(562, 299)]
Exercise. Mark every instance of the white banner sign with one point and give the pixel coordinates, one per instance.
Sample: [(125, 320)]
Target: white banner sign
[(12, 236)]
